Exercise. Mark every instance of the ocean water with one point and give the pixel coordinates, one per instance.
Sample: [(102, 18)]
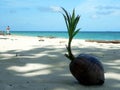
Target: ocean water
[(63, 34)]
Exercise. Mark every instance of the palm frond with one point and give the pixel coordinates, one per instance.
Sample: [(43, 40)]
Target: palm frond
[(71, 23)]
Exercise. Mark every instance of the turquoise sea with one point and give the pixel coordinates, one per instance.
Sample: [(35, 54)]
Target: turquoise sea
[(63, 34)]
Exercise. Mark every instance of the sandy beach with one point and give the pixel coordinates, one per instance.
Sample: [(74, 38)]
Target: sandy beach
[(38, 63)]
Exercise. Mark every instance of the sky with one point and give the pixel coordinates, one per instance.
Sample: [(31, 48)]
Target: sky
[(44, 15)]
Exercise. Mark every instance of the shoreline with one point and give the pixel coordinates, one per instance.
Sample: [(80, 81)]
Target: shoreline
[(52, 37), (80, 35)]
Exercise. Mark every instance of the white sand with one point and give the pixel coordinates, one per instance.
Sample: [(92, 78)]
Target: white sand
[(34, 63)]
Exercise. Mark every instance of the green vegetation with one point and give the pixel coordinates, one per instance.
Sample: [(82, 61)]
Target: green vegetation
[(71, 21)]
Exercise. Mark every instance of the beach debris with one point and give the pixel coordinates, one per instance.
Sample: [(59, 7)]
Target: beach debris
[(105, 41), (16, 54), (42, 40), (27, 82), (62, 41), (10, 85)]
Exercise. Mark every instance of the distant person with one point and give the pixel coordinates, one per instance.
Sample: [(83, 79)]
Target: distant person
[(8, 30)]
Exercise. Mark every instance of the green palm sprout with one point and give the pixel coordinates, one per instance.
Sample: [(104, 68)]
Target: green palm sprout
[(71, 23)]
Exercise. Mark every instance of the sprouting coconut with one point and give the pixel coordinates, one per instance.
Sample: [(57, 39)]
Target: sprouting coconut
[(87, 69)]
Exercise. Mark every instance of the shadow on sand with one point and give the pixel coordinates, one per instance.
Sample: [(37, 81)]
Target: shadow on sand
[(46, 68)]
